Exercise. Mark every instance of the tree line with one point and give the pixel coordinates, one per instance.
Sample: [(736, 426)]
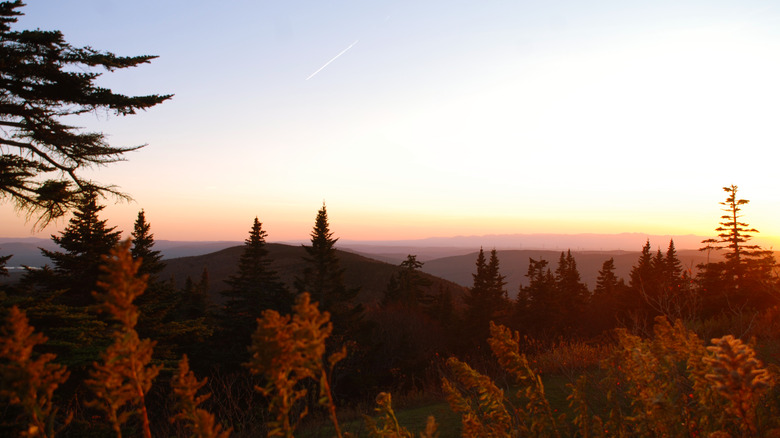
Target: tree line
[(557, 304)]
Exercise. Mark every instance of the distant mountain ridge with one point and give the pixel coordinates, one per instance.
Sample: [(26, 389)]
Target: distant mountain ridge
[(25, 250), (537, 241)]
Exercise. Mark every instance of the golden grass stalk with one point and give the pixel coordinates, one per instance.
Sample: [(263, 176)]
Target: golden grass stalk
[(29, 380), (287, 350), (199, 422), (124, 376)]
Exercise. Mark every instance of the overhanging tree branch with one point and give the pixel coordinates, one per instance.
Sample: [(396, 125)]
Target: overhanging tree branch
[(42, 79)]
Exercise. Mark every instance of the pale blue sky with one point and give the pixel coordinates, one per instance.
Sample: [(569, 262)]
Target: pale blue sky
[(444, 118)]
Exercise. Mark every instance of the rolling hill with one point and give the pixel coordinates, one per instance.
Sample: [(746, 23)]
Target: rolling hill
[(368, 274)]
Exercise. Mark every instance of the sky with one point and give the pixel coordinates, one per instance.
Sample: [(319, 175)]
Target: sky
[(414, 119)]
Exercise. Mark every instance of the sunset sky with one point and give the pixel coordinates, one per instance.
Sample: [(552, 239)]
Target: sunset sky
[(412, 119)]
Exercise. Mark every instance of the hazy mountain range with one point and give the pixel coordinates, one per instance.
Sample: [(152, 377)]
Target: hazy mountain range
[(26, 252), (436, 247), (450, 261)]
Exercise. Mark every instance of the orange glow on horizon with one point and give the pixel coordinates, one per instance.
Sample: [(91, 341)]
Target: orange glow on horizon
[(355, 225)]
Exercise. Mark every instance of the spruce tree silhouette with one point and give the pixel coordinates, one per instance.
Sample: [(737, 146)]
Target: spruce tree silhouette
[(323, 278)]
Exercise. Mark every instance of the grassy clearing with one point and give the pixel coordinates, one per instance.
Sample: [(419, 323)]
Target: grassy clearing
[(414, 417)]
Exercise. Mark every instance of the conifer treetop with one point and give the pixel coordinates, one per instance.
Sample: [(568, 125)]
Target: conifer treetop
[(323, 276), (84, 241), (143, 241), (733, 233)]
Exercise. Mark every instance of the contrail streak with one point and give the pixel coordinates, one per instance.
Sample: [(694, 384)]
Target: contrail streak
[(332, 59)]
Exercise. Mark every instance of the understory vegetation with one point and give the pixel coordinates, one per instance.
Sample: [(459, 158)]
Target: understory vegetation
[(116, 350)]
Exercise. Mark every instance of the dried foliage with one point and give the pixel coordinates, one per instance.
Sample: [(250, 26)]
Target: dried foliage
[(29, 380), (739, 377), (536, 418), (287, 350), (678, 387), (387, 426), (199, 422), (478, 400), (668, 385), (584, 422), (567, 357), (124, 377)]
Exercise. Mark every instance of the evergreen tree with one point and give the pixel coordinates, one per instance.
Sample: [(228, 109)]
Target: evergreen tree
[(196, 302), (746, 275), (606, 282), (46, 82), (84, 241), (193, 327), (674, 294), (160, 297), (734, 236), (520, 318), (486, 300), (256, 286), (572, 293), (3, 273), (608, 298), (496, 283), (59, 300), (544, 314), (442, 308), (641, 280), (205, 282), (654, 291), (160, 316), (408, 286), (143, 241), (253, 289), (569, 281), (3, 269), (323, 278), (642, 273), (480, 279), (658, 264), (676, 276)]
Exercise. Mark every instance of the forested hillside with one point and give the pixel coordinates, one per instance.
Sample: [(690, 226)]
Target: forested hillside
[(369, 275)]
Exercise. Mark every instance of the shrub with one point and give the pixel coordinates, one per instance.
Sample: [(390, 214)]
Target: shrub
[(125, 375), (199, 422), (28, 380), (287, 350), (668, 385)]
